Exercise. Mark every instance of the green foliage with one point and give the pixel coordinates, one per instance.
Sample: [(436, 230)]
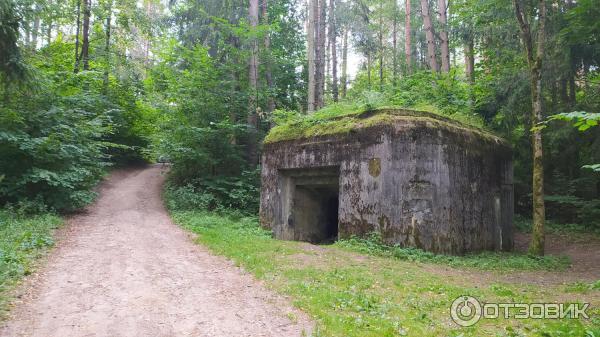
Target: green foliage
[(373, 245), (12, 67), (62, 133), (581, 120), (216, 193), (23, 239)]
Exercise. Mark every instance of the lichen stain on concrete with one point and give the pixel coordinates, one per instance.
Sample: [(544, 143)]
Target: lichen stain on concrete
[(375, 167)]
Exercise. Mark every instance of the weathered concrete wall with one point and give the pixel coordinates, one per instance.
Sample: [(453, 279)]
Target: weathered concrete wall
[(418, 182)]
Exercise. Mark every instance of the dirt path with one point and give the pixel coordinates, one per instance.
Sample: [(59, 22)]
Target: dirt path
[(124, 269)]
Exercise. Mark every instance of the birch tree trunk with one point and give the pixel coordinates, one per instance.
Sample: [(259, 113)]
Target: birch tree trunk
[(429, 35), (444, 44), (535, 60)]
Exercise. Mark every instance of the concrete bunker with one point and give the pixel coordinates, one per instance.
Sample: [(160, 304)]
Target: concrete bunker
[(416, 178)]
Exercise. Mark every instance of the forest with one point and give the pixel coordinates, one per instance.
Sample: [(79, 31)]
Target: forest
[(88, 87)]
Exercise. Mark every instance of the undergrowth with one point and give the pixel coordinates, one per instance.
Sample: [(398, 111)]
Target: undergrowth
[(23, 239), (373, 245)]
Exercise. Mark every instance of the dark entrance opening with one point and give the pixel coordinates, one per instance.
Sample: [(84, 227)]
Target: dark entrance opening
[(314, 205)]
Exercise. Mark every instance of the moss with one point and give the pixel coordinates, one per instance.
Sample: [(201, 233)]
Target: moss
[(375, 167), (335, 122)]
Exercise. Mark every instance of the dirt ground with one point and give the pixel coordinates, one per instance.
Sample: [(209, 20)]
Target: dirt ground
[(124, 269)]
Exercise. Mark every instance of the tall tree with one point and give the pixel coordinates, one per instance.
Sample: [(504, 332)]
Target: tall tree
[(107, 44), (444, 43), (395, 44), (469, 51), (430, 35), (252, 119), (407, 36), (77, 33), (36, 26), (320, 64), (311, 54), (267, 53), (381, 46), (85, 44), (344, 78), (535, 58), (333, 44)]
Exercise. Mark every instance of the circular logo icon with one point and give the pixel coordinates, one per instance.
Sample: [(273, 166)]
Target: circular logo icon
[(466, 311)]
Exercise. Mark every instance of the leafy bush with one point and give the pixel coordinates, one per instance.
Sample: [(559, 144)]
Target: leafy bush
[(57, 154), (59, 132), (216, 193)]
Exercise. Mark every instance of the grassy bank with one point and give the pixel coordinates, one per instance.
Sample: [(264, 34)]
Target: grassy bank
[(22, 240), (358, 288)]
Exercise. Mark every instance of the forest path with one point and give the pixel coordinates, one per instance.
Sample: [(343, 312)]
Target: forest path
[(123, 268)]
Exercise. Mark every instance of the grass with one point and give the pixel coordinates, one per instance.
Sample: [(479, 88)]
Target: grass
[(22, 241), (343, 118), (582, 230), (485, 261), (350, 291)]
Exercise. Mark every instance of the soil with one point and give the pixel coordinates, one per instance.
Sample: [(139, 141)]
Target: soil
[(123, 268)]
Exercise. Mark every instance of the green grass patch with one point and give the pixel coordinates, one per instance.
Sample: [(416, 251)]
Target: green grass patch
[(343, 118), (500, 261), (354, 295), (22, 240), (524, 224)]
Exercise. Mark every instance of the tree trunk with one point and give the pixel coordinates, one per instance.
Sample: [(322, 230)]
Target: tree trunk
[(320, 102), (345, 63), (469, 60), (36, 28), (311, 53), (107, 46), (333, 41), (85, 45), (252, 119), (77, 33), (572, 89), (381, 47), (268, 65), (395, 45), (444, 44), (535, 60), (407, 38), (369, 70), (429, 34)]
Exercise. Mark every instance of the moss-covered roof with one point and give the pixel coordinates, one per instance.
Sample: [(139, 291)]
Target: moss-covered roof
[(325, 123)]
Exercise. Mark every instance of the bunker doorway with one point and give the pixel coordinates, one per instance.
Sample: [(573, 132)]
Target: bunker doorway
[(315, 205)]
